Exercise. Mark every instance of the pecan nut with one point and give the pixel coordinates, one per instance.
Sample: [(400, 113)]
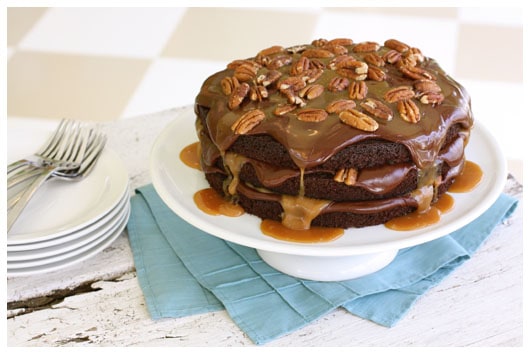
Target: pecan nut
[(317, 53), (425, 86), (377, 109), (311, 91), (341, 41), (414, 72), (245, 72), (279, 61), (409, 111), (375, 73), (432, 98), (396, 45), (348, 176), (339, 106), (295, 83), (268, 78), (312, 115), (392, 56), (359, 120), (358, 90), (365, 47), (258, 93), (238, 95), (374, 59), (399, 93), (247, 121), (229, 84), (338, 84)]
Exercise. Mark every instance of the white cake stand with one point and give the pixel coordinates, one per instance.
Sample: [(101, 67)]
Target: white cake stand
[(358, 252)]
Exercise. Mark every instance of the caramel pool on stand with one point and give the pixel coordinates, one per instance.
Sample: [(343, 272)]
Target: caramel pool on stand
[(210, 202)]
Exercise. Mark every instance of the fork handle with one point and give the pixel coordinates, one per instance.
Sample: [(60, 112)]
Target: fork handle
[(23, 175), (14, 213), (17, 164)]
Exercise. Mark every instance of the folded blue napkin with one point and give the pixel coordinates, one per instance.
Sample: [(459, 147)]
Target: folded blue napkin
[(183, 271)]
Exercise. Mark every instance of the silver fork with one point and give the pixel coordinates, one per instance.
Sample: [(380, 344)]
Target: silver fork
[(33, 169), (95, 147), (47, 151), (71, 154)]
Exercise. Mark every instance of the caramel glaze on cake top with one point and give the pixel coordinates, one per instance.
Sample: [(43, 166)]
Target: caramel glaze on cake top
[(302, 97)]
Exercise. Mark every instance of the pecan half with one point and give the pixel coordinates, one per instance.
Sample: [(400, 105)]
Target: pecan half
[(358, 90), (317, 53), (341, 41), (339, 62), (311, 91), (238, 62), (228, 84), (359, 120), (268, 78), (311, 75), (409, 111), (238, 95), (336, 49), (399, 93), (377, 109), (292, 82), (279, 61), (258, 93), (270, 51), (247, 121), (396, 45), (339, 106), (392, 56), (246, 72), (375, 73), (338, 84), (300, 66), (414, 72), (424, 86), (365, 47), (347, 176), (319, 42), (433, 98), (374, 59), (312, 115)]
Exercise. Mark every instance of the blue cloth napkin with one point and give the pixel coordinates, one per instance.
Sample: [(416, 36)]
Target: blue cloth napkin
[(183, 271)]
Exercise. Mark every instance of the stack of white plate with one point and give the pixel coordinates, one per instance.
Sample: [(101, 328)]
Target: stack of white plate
[(68, 222)]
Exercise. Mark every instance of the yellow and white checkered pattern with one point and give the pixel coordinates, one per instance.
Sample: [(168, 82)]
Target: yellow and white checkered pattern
[(103, 64)]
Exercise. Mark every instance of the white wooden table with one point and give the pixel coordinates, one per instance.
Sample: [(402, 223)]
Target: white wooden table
[(99, 302)]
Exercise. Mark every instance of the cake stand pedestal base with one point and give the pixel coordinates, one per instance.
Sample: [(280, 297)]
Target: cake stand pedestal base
[(328, 268)]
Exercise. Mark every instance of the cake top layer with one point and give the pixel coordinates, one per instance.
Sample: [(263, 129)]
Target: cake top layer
[(318, 98)]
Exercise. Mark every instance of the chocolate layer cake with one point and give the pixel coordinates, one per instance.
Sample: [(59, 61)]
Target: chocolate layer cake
[(333, 133)]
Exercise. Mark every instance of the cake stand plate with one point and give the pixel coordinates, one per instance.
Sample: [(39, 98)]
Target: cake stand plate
[(358, 252)]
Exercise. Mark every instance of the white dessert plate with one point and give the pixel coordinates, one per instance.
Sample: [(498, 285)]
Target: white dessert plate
[(176, 184), (108, 219), (71, 259), (71, 245), (62, 207)]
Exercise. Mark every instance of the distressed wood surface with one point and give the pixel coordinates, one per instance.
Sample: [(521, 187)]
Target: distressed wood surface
[(99, 302)]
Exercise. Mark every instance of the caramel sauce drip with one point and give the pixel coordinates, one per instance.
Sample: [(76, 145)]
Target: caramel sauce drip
[(299, 211), (191, 155), (468, 179), (313, 235), (234, 163), (210, 202)]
